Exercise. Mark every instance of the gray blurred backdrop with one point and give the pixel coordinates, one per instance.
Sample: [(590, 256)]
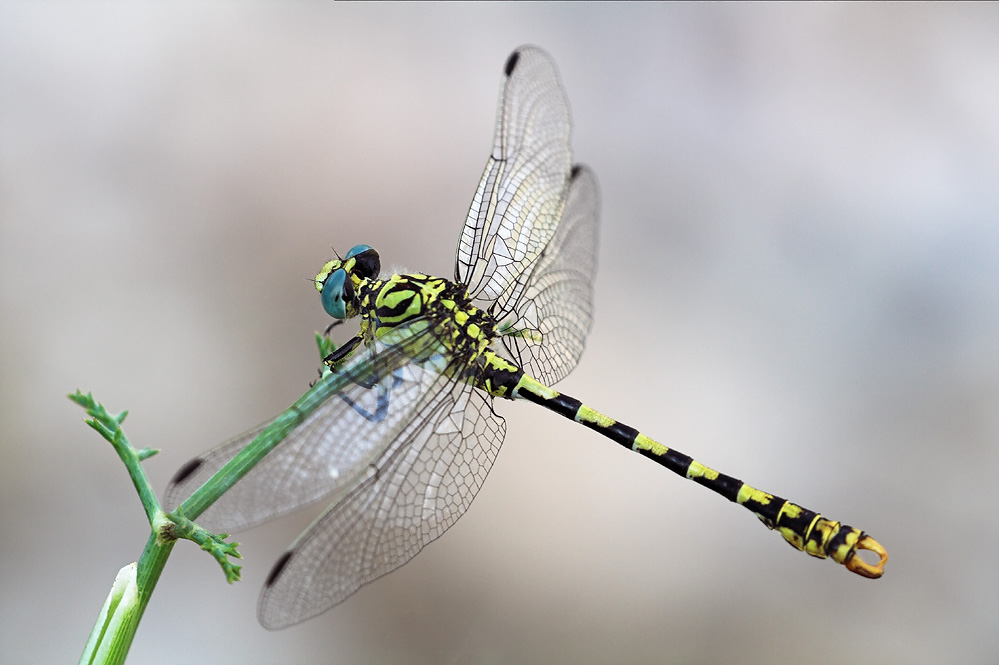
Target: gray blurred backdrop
[(798, 284)]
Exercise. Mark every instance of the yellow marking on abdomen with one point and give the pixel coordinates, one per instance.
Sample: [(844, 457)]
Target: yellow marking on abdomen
[(588, 415), (643, 442)]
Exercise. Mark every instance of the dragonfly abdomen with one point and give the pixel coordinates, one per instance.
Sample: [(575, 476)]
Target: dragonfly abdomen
[(804, 529)]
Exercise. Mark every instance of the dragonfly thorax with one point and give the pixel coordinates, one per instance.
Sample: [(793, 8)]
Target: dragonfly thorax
[(446, 307)]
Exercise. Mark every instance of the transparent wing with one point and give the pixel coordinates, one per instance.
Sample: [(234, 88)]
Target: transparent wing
[(419, 487), (522, 192), (384, 390), (554, 309)]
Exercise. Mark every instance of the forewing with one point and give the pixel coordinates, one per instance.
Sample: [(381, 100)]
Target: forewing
[(521, 194), (329, 450), (419, 487), (554, 310)]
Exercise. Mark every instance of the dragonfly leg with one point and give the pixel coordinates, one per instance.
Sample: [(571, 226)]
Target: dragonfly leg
[(382, 402), (343, 351)]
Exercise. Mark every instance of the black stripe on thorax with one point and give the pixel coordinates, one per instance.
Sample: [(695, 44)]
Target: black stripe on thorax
[(400, 308)]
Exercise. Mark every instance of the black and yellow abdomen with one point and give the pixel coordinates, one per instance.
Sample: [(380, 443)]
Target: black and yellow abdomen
[(804, 529)]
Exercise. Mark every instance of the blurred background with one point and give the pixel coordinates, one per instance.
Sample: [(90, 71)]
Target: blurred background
[(798, 285)]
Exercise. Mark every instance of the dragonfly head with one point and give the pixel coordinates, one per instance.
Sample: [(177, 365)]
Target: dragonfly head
[(338, 280)]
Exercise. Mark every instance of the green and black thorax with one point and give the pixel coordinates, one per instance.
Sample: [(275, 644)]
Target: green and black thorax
[(401, 308)]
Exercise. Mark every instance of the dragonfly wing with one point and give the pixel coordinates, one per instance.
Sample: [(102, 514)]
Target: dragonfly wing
[(383, 390), (555, 308), (420, 486), (522, 191), (195, 472)]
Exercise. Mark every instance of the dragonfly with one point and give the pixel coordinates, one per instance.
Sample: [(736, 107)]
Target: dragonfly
[(399, 433)]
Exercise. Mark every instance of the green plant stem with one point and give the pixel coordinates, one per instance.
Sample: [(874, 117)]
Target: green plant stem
[(151, 563), (116, 626), (255, 451)]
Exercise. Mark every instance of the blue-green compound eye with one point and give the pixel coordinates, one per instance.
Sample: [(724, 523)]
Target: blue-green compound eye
[(355, 250), (333, 294)]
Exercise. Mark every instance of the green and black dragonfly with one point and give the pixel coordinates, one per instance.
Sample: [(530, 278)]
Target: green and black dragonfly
[(399, 433)]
